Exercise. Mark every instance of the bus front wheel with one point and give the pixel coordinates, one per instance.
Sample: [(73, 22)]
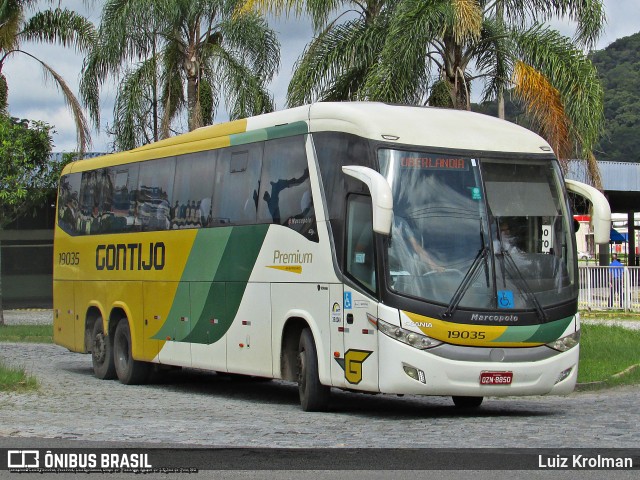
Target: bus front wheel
[(130, 371), (102, 353), (314, 397), (467, 402)]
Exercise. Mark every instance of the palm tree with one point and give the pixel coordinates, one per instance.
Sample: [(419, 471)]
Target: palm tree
[(432, 51), (550, 74), (55, 26), (334, 65), (185, 55)]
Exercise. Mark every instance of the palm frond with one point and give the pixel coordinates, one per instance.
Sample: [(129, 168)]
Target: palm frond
[(402, 73), (250, 36), (544, 104), (59, 26), (244, 94), (467, 24), (589, 15), (131, 111), (330, 62), (492, 54), (11, 18), (83, 134), (572, 74), (276, 7)]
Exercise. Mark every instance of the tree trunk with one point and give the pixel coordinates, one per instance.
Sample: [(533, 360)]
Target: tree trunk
[(192, 96), (454, 74), (500, 18)]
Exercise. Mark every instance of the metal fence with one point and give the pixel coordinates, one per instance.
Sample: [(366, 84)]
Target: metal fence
[(602, 288)]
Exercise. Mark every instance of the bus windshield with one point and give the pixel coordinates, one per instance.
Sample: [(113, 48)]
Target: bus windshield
[(476, 233)]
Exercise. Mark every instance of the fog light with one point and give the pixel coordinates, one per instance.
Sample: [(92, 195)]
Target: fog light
[(414, 373), (564, 375)]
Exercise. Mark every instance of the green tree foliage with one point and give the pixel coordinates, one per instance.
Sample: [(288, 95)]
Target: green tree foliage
[(173, 57), (619, 70), (434, 52), (27, 174), (55, 26)]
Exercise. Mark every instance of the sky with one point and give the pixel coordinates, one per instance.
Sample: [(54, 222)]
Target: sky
[(30, 97)]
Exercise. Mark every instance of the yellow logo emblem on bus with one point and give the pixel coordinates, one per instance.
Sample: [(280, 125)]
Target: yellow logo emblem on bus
[(352, 364)]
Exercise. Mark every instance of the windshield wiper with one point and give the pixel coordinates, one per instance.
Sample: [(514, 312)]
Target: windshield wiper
[(469, 277), (519, 280), (524, 287)]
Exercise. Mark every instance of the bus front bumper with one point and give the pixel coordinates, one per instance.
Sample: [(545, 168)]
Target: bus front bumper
[(555, 375)]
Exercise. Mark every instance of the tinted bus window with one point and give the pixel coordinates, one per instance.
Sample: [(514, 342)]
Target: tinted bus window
[(69, 202), (155, 186), (123, 202), (235, 196), (192, 190), (285, 193)]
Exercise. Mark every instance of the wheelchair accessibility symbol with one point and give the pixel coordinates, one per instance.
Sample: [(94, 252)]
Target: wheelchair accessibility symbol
[(505, 299)]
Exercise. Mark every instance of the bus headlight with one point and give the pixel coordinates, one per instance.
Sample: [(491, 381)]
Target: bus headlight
[(565, 343), (416, 340)]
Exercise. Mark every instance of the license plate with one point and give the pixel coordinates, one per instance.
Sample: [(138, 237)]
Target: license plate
[(496, 378)]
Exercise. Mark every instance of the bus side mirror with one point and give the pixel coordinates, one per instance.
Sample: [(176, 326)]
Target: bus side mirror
[(601, 217), (381, 196)]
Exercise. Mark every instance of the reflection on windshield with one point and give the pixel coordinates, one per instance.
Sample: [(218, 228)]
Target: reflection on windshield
[(449, 244), (435, 233)]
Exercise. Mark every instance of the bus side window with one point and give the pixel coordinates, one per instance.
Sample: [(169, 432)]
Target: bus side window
[(192, 190), (360, 259), (285, 193), (125, 183), (68, 203), (155, 188), (235, 193)]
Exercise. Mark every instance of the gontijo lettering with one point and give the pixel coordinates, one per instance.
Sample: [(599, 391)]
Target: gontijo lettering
[(131, 256)]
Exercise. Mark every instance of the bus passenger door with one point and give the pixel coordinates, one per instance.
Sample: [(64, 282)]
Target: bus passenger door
[(360, 357)]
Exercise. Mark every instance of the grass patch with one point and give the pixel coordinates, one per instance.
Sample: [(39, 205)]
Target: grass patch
[(26, 333), (605, 352), (16, 380), (610, 315)]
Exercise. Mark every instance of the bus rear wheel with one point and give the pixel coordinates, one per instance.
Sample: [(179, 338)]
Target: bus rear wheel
[(102, 353), (130, 371), (467, 402), (314, 397)]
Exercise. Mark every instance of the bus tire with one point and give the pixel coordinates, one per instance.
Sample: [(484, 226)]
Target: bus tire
[(314, 397), (467, 402), (102, 352), (130, 371)]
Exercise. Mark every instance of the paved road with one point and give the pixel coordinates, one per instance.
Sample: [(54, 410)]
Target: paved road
[(193, 408)]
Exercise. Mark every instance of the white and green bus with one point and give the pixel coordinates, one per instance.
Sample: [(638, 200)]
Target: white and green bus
[(359, 246)]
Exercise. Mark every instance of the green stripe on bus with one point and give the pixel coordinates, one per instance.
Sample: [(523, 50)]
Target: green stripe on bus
[(517, 334), (548, 332), (545, 333), (280, 131), (226, 256)]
